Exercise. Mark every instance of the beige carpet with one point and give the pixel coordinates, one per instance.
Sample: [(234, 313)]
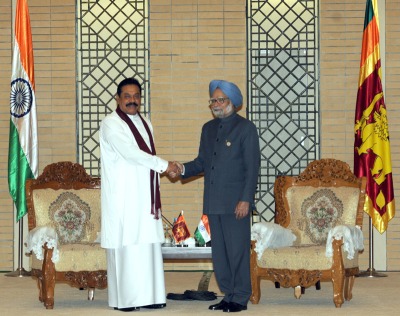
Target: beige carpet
[(371, 296)]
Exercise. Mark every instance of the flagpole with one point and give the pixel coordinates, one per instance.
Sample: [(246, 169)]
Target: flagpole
[(166, 220), (370, 272), (20, 272)]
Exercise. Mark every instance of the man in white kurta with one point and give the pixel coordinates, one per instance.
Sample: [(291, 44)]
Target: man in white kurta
[(131, 227)]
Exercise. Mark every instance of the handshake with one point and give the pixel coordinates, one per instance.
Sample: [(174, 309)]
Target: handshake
[(174, 169)]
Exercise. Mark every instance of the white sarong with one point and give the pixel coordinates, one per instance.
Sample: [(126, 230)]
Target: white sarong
[(135, 276)]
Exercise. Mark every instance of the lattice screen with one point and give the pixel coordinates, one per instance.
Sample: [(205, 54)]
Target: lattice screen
[(282, 77), (112, 45), (283, 89)]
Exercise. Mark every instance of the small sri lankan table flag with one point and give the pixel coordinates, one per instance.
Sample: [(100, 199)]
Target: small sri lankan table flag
[(180, 229), (371, 145)]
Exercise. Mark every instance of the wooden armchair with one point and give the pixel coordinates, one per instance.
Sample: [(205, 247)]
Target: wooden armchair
[(64, 221), (323, 208)]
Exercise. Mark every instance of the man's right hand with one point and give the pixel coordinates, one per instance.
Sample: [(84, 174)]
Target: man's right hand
[(174, 169)]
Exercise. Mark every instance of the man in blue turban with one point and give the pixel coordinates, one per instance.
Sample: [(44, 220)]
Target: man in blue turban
[(229, 89), (229, 158)]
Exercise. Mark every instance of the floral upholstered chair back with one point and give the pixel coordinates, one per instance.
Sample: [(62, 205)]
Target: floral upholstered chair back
[(74, 214), (314, 211), (67, 199)]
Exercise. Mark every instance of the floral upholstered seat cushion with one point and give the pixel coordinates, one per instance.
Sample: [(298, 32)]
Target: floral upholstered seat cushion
[(77, 257), (74, 214), (308, 257), (314, 211)]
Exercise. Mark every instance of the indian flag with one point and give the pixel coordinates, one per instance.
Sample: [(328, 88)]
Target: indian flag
[(202, 233), (23, 145)]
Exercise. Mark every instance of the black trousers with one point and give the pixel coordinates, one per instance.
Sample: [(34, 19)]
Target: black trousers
[(230, 240)]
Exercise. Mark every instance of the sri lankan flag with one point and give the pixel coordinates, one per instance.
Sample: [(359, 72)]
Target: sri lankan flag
[(180, 229), (23, 147), (371, 145)]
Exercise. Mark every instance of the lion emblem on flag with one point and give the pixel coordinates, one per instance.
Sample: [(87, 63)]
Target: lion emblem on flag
[(375, 137)]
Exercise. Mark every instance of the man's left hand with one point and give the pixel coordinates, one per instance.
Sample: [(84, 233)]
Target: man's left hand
[(242, 209)]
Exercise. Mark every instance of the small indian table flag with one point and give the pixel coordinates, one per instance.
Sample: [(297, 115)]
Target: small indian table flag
[(202, 233)]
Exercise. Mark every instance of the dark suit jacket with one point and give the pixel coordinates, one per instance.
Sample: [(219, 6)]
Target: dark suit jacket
[(229, 157)]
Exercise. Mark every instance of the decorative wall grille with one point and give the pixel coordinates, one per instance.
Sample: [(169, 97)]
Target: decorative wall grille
[(283, 89), (111, 45)]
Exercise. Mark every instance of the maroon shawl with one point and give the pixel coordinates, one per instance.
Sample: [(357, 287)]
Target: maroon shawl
[(155, 196)]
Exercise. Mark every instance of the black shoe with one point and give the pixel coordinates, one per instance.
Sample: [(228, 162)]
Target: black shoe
[(233, 307), (220, 306), (127, 309), (155, 306)]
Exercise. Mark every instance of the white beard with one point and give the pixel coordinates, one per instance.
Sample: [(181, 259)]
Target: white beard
[(220, 113)]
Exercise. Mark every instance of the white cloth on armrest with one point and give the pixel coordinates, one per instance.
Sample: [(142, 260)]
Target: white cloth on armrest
[(353, 239), (271, 235), (39, 236)]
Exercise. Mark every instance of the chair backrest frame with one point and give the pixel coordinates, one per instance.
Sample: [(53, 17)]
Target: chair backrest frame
[(64, 175), (319, 173)]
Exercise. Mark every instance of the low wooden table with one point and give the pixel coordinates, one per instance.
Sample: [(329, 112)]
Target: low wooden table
[(179, 254)]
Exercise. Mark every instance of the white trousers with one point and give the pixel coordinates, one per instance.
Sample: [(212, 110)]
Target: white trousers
[(135, 276)]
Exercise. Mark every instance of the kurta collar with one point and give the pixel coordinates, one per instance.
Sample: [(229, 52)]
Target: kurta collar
[(229, 118)]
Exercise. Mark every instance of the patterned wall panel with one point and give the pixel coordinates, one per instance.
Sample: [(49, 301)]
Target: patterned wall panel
[(111, 45), (283, 89)]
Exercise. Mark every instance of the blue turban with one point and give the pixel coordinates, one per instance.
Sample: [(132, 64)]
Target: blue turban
[(229, 89)]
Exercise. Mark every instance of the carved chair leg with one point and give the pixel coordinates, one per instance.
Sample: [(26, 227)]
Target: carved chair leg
[(255, 289), (317, 287), (338, 287), (49, 283), (348, 287), (49, 280), (255, 279), (39, 282), (91, 293), (297, 292)]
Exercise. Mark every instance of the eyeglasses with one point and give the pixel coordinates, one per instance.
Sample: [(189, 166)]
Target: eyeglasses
[(220, 100)]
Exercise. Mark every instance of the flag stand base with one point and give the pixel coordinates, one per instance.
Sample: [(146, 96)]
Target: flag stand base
[(371, 273), (20, 272)]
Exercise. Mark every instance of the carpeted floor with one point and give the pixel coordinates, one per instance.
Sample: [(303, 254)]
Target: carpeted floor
[(371, 296)]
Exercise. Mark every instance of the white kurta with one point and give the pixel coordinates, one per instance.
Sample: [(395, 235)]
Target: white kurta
[(128, 230)]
